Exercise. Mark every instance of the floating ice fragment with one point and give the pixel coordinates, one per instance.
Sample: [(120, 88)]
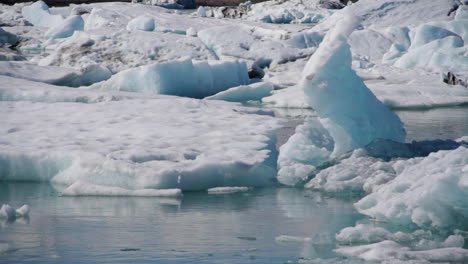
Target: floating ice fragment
[(80, 188), (227, 190), (7, 212), (287, 239)]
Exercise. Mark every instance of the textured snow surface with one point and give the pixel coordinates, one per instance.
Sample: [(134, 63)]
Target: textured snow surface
[(165, 142), (394, 252)]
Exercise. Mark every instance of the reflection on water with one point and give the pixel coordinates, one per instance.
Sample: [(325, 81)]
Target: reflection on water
[(440, 123), (198, 228)]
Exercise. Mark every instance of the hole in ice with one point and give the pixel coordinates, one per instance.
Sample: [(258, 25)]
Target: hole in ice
[(190, 156), (13, 130)]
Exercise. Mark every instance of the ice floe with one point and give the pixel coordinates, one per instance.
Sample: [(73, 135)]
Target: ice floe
[(165, 142)]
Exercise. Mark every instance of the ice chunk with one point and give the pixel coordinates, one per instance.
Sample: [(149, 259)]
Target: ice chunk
[(200, 79), (288, 239), (161, 142), (347, 108), (38, 14), (429, 192), (80, 188), (7, 212), (392, 251), (6, 37), (356, 174), (201, 11), (226, 190), (427, 33), (23, 211), (66, 28), (253, 92), (304, 153), (143, 23)]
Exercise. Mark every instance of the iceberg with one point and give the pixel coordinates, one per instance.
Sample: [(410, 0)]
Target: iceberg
[(347, 108), (200, 79), (348, 111)]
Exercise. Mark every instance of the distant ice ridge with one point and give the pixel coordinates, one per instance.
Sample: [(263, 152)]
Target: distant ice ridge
[(188, 78), (129, 146), (350, 114)]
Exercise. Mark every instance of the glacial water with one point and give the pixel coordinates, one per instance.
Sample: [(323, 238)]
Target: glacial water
[(247, 227)]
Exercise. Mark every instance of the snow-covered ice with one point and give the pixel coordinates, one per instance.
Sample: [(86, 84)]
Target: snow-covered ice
[(165, 142), (428, 192), (66, 28)]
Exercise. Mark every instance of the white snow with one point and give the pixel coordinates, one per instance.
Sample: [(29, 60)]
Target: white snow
[(200, 79), (243, 93)]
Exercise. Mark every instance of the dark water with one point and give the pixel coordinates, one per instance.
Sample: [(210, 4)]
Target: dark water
[(197, 228)]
